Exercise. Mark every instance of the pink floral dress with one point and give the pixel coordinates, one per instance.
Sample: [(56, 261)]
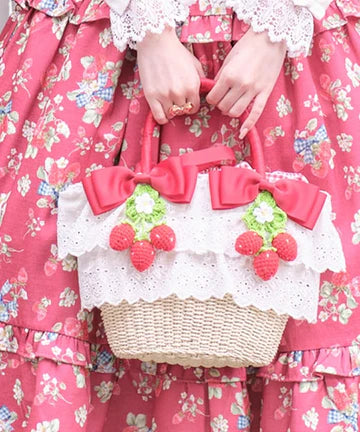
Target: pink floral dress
[(71, 103)]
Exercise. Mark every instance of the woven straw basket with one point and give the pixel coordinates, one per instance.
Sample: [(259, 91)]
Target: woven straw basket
[(191, 332), (211, 333)]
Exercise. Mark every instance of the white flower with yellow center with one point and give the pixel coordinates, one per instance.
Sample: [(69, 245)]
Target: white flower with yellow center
[(144, 203), (263, 213)]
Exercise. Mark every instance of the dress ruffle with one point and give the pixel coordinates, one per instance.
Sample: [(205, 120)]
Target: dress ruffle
[(85, 11), (31, 344), (312, 365)]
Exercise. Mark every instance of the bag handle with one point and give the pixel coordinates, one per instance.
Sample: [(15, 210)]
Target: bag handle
[(206, 85)]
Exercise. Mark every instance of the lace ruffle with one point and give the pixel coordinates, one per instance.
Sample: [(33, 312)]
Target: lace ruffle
[(204, 262), (281, 19)]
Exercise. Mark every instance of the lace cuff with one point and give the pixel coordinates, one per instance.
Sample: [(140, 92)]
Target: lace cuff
[(280, 19), (142, 16), (132, 19)]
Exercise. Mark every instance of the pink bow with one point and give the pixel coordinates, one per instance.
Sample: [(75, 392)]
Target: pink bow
[(233, 187), (110, 187)]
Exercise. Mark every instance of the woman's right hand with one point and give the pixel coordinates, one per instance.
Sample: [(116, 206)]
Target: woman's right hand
[(169, 74)]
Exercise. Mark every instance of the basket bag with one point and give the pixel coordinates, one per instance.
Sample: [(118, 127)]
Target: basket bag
[(195, 260)]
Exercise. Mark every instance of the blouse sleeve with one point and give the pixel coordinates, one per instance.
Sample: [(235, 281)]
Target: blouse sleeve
[(284, 20)]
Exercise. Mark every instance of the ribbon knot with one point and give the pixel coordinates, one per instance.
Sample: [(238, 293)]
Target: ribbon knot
[(266, 185), (234, 187), (142, 178)]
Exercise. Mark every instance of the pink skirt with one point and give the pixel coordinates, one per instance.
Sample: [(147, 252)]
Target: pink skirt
[(71, 103)]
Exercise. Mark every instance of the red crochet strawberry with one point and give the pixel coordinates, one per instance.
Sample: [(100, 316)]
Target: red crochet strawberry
[(286, 246), (249, 243), (163, 237), (122, 237), (142, 255), (266, 264)]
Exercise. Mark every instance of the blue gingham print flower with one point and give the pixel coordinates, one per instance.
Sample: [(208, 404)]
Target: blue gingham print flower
[(4, 110), (6, 418), (92, 89), (305, 146), (243, 422), (103, 362), (6, 307), (52, 5), (349, 418), (298, 355), (46, 189)]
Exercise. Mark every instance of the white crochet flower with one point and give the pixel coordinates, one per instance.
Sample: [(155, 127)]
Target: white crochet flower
[(264, 213), (144, 203)]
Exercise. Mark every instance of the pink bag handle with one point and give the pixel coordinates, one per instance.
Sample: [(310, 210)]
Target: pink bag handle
[(150, 124)]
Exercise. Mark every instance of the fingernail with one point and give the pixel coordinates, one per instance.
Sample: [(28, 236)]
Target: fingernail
[(243, 133)]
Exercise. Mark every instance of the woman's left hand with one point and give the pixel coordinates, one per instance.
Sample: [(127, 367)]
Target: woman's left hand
[(248, 74)]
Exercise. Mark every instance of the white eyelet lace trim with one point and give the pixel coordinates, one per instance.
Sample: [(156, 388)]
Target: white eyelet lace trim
[(204, 262), (144, 16), (280, 18)]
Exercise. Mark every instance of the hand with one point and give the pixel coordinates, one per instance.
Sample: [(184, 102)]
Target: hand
[(248, 74), (169, 73)]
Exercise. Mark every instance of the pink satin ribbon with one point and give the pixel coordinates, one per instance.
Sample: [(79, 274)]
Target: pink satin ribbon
[(174, 178), (233, 187)]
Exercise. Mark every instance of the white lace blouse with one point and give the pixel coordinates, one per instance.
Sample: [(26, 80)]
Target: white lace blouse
[(289, 20)]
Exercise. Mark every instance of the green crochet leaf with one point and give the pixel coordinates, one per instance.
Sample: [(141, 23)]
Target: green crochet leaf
[(265, 217), (145, 209)]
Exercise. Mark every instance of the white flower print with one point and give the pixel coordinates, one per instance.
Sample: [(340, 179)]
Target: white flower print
[(353, 72), (104, 391), (92, 168), (28, 130), (18, 392), (81, 415), (144, 203), (69, 263), (355, 227), (3, 201), (263, 213), (105, 37), (68, 297), (137, 420), (48, 426), (345, 142), (23, 185), (311, 419), (283, 106), (219, 424)]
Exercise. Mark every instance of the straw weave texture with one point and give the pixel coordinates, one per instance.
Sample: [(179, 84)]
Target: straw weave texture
[(191, 332)]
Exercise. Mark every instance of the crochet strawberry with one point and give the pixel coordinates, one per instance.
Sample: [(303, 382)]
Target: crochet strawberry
[(249, 243), (163, 237), (266, 264), (122, 237), (142, 255), (286, 246)]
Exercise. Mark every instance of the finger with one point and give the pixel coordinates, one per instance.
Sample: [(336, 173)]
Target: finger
[(218, 92), (194, 99), (158, 111), (255, 113), (229, 100), (199, 68), (241, 104)]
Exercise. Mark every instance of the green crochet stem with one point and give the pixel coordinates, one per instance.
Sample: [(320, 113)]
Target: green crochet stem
[(141, 222), (268, 230)]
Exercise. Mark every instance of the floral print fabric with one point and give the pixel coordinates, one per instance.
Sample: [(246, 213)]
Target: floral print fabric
[(75, 104)]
